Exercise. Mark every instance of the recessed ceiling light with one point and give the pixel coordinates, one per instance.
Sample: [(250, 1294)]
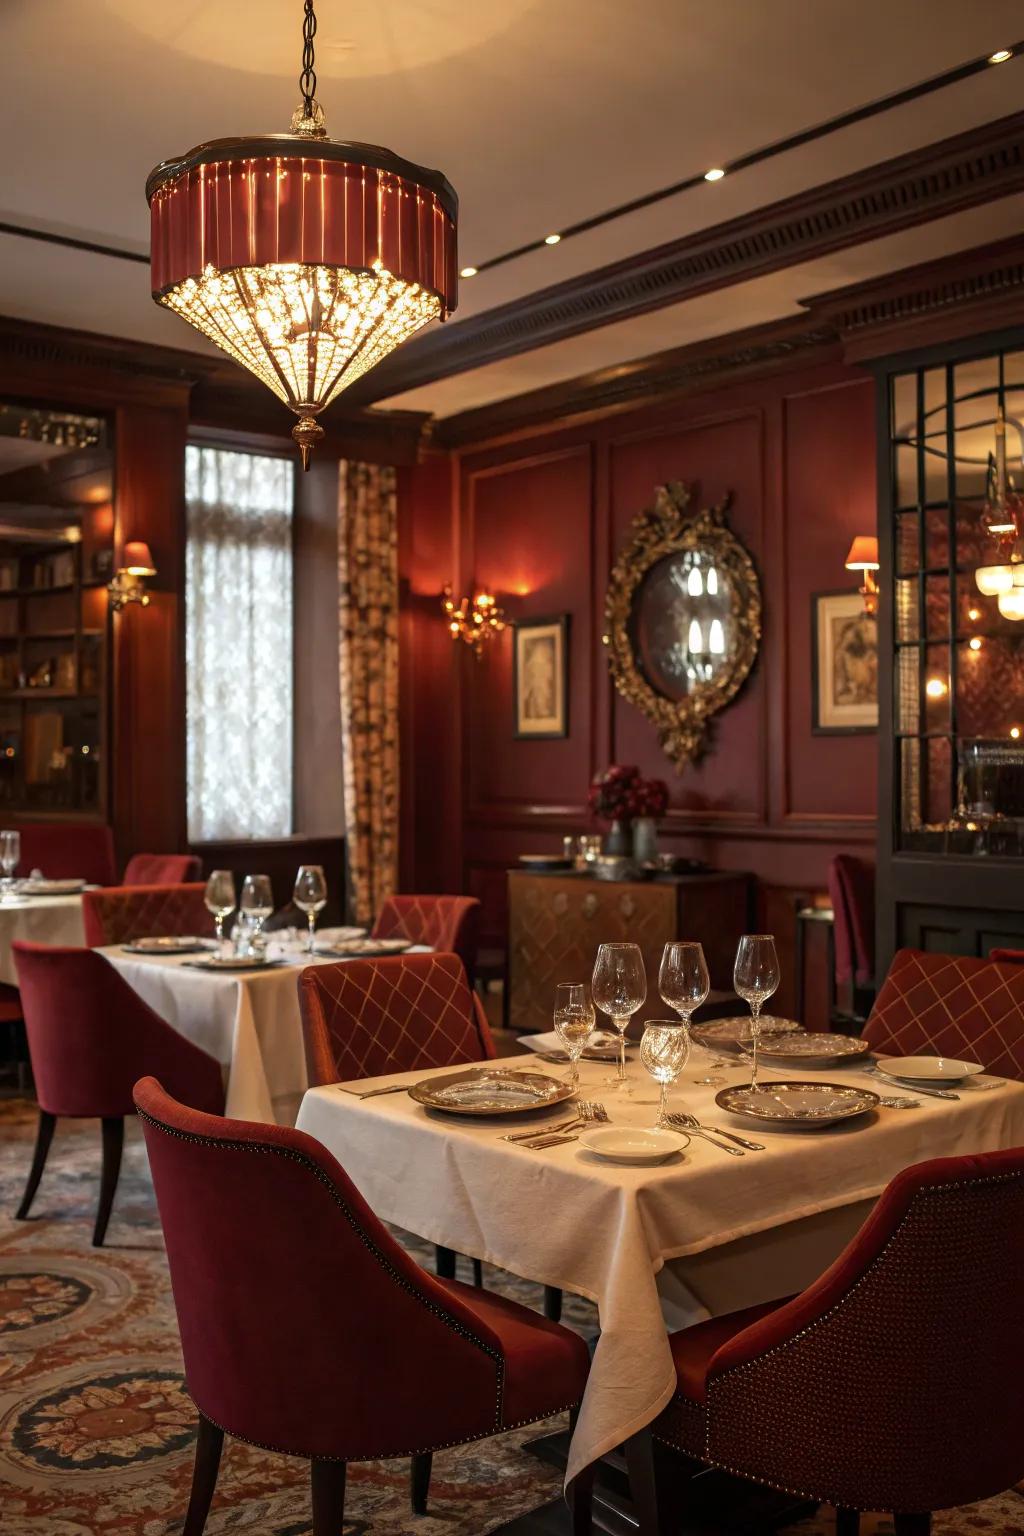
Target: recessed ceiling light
[(715, 174), (1000, 56), (468, 272), (552, 239)]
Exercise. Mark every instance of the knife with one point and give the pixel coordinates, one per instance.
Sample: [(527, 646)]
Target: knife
[(371, 1093), (933, 1093)]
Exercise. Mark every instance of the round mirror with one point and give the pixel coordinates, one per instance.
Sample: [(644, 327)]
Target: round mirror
[(682, 622)]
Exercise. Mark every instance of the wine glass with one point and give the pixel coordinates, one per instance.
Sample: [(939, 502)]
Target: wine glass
[(220, 899), (310, 896), (755, 977), (664, 1051), (10, 853), (574, 1024), (256, 905), (683, 983), (619, 987)]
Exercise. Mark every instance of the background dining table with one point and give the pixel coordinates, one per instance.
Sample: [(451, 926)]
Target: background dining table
[(248, 1020), (41, 920), (655, 1247)]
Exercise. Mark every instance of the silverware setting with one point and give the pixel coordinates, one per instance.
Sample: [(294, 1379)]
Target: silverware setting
[(692, 1124), (372, 1093), (897, 1103), (589, 1112), (932, 1093)]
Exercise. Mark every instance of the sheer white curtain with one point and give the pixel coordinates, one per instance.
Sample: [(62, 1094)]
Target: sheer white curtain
[(238, 645)]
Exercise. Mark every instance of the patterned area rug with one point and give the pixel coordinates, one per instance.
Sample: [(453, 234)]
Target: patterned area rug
[(96, 1428)]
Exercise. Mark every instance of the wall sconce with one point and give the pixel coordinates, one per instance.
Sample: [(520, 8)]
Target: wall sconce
[(474, 620), (863, 556), (129, 583)]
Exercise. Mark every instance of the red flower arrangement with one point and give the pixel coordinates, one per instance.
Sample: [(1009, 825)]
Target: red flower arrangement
[(620, 794)]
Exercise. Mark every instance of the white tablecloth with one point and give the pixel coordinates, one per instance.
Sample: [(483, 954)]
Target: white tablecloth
[(42, 920), (249, 1021), (565, 1218)]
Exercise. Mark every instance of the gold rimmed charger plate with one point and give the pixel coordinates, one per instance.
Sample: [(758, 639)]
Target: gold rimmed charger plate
[(490, 1091), (797, 1105), (806, 1048), (734, 1034)]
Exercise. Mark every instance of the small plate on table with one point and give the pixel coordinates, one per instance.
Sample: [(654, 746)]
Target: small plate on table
[(797, 1105), (734, 1034), (632, 1145), (52, 887), (804, 1048), (490, 1091), (233, 963), (168, 944), (351, 948), (928, 1069)]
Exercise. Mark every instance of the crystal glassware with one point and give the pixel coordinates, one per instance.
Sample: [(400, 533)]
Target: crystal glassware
[(684, 983), (664, 1052), (256, 905), (220, 899), (619, 988), (574, 1024), (310, 896), (755, 977), (10, 853)]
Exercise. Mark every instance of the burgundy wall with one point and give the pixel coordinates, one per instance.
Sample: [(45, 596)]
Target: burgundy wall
[(540, 522)]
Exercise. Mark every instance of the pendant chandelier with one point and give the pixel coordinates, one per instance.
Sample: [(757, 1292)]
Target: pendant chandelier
[(1001, 518), (307, 259)]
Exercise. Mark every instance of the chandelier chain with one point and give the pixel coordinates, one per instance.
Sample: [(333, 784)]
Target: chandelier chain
[(307, 80)]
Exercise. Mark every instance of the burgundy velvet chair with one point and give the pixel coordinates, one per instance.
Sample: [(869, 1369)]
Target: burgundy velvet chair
[(307, 1330), (951, 1005), (887, 1384), (1007, 956), (90, 1039), (449, 923), (851, 887), (161, 869), (68, 851), (125, 912)]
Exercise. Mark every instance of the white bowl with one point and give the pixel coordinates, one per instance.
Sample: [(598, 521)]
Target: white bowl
[(929, 1069), (631, 1144)]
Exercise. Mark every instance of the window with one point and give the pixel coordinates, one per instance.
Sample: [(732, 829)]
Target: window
[(238, 644)]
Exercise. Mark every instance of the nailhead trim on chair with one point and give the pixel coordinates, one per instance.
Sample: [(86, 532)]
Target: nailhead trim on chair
[(223, 1144)]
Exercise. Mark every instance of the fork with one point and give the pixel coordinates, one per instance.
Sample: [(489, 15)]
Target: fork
[(692, 1124)]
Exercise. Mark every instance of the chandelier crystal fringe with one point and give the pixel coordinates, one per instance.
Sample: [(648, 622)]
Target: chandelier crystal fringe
[(306, 259)]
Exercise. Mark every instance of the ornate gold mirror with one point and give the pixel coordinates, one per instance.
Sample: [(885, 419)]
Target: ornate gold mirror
[(684, 618)]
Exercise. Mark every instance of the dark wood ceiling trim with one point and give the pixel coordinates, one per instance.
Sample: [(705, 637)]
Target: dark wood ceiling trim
[(957, 173)]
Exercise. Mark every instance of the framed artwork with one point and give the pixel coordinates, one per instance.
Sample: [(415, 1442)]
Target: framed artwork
[(844, 664), (540, 677)]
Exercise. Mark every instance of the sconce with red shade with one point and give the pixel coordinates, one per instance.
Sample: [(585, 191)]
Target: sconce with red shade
[(863, 557), (129, 583)]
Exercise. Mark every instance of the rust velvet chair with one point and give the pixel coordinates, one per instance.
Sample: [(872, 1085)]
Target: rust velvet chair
[(886, 1385), (951, 1005), (161, 869), (307, 1330), (122, 913), (448, 923), (68, 851), (90, 1039)]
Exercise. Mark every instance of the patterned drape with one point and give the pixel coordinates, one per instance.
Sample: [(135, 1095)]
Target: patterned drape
[(368, 657)]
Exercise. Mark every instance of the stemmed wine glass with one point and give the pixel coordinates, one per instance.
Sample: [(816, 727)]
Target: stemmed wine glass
[(220, 899), (10, 853), (310, 896), (683, 982), (574, 1024), (664, 1051), (256, 905), (755, 977), (619, 987)]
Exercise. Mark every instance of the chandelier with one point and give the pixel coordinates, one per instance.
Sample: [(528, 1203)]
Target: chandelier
[(1001, 518), (474, 620), (306, 259)]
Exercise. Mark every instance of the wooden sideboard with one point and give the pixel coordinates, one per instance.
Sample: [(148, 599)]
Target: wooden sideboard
[(556, 922)]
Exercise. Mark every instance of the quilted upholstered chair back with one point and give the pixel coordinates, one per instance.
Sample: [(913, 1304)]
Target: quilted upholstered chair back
[(161, 869), (361, 1018), (450, 923), (65, 851), (304, 1326), (886, 1384), (951, 1005), (125, 912), (91, 1037)]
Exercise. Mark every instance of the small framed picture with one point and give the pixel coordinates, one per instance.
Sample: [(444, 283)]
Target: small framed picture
[(540, 677), (844, 664)]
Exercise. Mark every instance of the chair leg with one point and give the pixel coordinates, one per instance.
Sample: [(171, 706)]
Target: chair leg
[(847, 1522), (478, 1274), (328, 1483), (419, 1481), (209, 1443), (912, 1525), (444, 1262), (553, 1303), (113, 1142), (44, 1135), (639, 1450)]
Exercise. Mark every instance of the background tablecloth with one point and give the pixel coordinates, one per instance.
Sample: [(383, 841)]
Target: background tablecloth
[(42, 920)]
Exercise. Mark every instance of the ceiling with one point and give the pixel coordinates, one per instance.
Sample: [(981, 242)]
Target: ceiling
[(539, 114)]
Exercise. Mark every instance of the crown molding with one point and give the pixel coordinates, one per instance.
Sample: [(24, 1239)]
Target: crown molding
[(968, 169)]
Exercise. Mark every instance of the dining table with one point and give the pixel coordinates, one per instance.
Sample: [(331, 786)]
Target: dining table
[(248, 1020), (655, 1247), (40, 920)]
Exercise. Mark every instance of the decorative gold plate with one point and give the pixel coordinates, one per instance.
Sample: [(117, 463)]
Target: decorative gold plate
[(734, 1034), (797, 1105), (350, 948), (490, 1091), (805, 1049)]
